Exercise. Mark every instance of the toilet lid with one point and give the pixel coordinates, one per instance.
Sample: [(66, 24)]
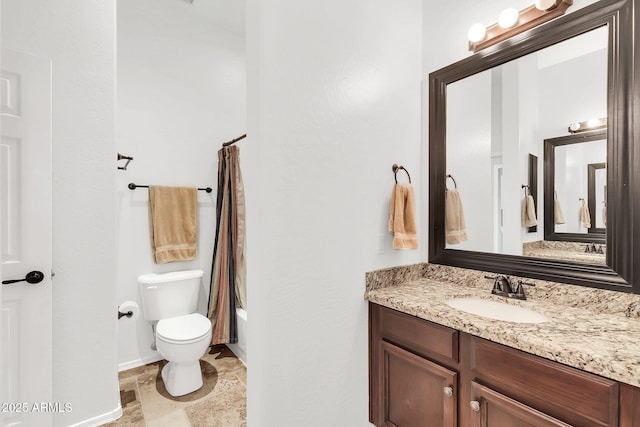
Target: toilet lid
[(184, 328)]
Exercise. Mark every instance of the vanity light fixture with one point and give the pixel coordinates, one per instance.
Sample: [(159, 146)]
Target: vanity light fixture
[(592, 124), (512, 22)]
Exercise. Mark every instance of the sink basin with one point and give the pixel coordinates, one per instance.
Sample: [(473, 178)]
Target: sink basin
[(497, 310)]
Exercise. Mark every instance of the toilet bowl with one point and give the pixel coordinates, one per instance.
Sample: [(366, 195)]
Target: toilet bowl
[(181, 334), (182, 340)]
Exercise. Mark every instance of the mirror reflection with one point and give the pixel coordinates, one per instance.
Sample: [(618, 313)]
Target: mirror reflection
[(498, 119)]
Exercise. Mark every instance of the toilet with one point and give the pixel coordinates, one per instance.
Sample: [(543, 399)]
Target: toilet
[(182, 336)]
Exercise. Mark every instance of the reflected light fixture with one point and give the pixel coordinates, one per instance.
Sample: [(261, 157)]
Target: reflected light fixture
[(591, 124), (512, 22)]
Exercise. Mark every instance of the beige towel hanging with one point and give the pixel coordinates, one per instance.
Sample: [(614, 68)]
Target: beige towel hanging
[(585, 217), (402, 217), (173, 223), (529, 212), (604, 215), (558, 215), (455, 228)]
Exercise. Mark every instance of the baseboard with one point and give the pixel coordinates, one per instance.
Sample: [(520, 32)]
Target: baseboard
[(240, 353), (138, 362), (101, 419)]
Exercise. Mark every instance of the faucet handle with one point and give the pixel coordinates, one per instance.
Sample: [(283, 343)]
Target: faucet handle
[(519, 292)]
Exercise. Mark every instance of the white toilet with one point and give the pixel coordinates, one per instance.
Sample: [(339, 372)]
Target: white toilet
[(182, 336)]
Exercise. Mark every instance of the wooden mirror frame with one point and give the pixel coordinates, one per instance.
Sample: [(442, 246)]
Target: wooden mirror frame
[(594, 235), (622, 271)]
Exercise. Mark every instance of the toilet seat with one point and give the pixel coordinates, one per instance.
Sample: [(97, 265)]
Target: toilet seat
[(184, 329)]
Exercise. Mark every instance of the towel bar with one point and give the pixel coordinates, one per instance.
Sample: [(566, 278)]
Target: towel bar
[(395, 168), (133, 186)]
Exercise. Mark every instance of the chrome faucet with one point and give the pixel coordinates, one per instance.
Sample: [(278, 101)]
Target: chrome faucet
[(502, 286)]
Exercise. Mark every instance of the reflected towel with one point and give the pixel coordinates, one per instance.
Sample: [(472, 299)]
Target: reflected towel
[(529, 212), (173, 223), (604, 215), (585, 217), (558, 215), (454, 226), (402, 217)]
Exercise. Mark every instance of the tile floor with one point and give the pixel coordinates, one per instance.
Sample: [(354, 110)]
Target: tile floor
[(221, 402)]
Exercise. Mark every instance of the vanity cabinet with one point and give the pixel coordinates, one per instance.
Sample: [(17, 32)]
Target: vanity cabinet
[(425, 374)]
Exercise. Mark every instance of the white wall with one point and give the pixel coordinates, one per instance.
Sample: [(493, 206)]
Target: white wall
[(181, 93), (79, 37), (334, 101)]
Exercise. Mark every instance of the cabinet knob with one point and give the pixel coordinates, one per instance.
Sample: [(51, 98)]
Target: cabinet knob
[(475, 405), (448, 391)]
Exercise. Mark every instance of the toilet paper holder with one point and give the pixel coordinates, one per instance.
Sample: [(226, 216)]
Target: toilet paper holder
[(127, 314)]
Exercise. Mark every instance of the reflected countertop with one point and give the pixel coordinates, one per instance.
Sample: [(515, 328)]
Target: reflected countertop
[(591, 329)]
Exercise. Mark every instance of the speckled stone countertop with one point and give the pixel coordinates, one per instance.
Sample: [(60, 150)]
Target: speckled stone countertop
[(594, 330), (567, 251)]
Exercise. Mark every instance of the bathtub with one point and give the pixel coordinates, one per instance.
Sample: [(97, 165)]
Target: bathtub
[(240, 348)]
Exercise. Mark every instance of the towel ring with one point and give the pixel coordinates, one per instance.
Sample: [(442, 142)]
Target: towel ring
[(452, 179), (395, 169)]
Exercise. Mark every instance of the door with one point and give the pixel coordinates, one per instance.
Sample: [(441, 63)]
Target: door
[(492, 409), (25, 240), (415, 391)]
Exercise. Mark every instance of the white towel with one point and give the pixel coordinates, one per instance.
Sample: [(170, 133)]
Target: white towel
[(529, 212), (585, 217), (558, 215), (454, 226)]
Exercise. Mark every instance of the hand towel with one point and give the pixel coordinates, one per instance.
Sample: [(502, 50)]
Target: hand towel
[(173, 223), (454, 226), (529, 212), (585, 217), (604, 215), (558, 215), (402, 217)]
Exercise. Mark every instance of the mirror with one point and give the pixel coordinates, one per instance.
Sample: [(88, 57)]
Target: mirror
[(496, 120), (489, 112), (571, 166)]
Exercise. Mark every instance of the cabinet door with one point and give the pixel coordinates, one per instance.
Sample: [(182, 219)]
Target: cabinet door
[(415, 392), (492, 409)]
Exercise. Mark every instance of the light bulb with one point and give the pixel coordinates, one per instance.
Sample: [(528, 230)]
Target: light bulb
[(574, 127), (545, 4), (477, 33), (508, 18), (593, 123)]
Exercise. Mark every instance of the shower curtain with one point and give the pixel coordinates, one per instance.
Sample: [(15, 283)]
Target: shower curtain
[(228, 269)]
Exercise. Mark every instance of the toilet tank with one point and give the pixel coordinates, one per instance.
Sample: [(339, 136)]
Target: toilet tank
[(169, 294)]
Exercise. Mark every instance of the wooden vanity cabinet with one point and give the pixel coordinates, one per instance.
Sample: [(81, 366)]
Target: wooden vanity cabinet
[(425, 374), (413, 378)]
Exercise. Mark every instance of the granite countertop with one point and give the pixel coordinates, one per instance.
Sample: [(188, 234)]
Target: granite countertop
[(594, 330)]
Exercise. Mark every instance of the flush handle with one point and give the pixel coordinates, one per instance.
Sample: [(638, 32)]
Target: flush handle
[(32, 277)]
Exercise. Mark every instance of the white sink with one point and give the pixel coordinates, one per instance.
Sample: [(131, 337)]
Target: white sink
[(497, 310)]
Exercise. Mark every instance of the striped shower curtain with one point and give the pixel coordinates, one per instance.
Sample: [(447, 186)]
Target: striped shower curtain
[(228, 269)]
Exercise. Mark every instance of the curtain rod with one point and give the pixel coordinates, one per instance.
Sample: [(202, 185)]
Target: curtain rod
[(233, 141)]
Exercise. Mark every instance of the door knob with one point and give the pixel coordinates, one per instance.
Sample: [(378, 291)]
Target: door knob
[(31, 277)]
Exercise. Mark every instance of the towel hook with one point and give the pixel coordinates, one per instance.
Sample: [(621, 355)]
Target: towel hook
[(123, 157), (527, 191), (452, 179), (395, 169)]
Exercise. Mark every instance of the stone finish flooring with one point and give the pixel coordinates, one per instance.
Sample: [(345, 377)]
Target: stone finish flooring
[(221, 402)]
